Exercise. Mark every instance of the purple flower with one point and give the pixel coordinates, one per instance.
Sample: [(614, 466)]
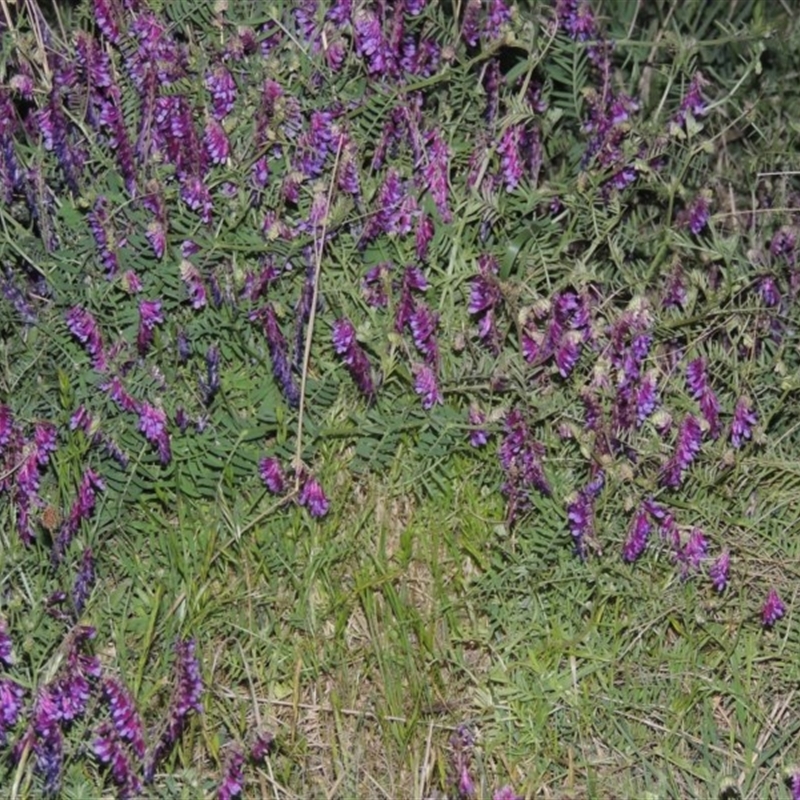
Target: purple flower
[(686, 449), (5, 645), (646, 397), (580, 517), (696, 377), (124, 715), (638, 535), (693, 102), (44, 441), (793, 782), (772, 610), (194, 283), (216, 141), (783, 244), (506, 793), (353, 355), (370, 43), (498, 14), (153, 424), (101, 228), (197, 197), (11, 702), (278, 352), (718, 571), (106, 20), (374, 285), (462, 743), (520, 457), (117, 392), (48, 749), (210, 386), (709, 407), (508, 148), (233, 776), (222, 88), (262, 746), (272, 474), (742, 424), (6, 425), (470, 29), (149, 316), (692, 553), (485, 296), (568, 352), (577, 19), (110, 751), (435, 173), (84, 581), (427, 386), (675, 290), (696, 215), (156, 234), (83, 327), (186, 699), (423, 323), (313, 497), (69, 695), (478, 436)]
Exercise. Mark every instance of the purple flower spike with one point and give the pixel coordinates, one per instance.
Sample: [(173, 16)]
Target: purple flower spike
[(772, 610), (233, 777), (718, 571), (686, 449), (110, 751), (793, 782), (313, 497), (84, 581), (742, 424), (153, 424), (427, 386), (637, 536), (11, 702), (83, 327), (696, 215), (478, 437), (272, 474), (186, 699), (353, 355), (210, 386), (149, 316), (696, 378), (693, 553), (5, 645), (262, 747), (124, 715), (506, 793)]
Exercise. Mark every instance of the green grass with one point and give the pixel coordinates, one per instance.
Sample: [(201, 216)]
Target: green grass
[(362, 643)]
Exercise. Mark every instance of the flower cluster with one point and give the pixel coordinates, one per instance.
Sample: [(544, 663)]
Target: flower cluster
[(521, 459), (311, 494), (580, 513), (557, 331), (354, 357), (186, 699), (687, 446), (772, 610)]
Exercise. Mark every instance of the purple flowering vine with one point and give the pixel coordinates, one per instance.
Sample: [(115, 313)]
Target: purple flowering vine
[(772, 610), (186, 700), (354, 357)]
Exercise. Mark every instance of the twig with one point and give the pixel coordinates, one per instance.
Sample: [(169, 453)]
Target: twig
[(319, 244)]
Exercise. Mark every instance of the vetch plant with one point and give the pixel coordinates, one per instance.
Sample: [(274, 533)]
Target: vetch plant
[(236, 239)]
